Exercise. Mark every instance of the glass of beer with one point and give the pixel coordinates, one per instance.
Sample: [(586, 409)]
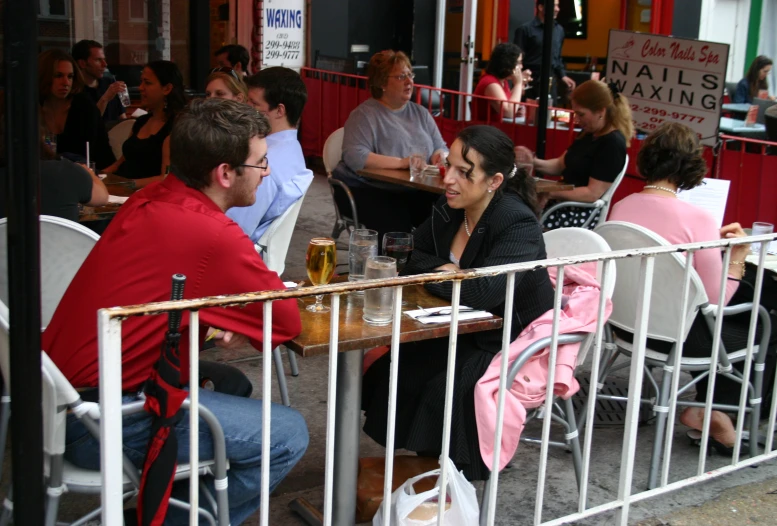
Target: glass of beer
[(398, 245), (320, 262), (378, 302)]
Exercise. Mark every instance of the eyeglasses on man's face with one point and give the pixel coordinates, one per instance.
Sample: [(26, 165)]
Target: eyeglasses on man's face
[(403, 76), (263, 167)]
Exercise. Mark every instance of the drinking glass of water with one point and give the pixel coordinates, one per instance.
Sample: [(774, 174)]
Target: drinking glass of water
[(417, 164), (124, 97), (363, 245), (398, 245), (758, 230), (378, 302)]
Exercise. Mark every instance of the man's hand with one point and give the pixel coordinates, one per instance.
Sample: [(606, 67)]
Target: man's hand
[(569, 82), (449, 267), (113, 90), (230, 340)]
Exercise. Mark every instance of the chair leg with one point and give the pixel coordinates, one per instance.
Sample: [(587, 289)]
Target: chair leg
[(5, 415), (276, 354), (54, 490), (484, 502), (574, 440), (662, 410), (7, 514), (293, 362)]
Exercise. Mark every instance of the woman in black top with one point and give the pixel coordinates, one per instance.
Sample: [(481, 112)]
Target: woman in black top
[(596, 158), (487, 217), (67, 112), (146, 153)]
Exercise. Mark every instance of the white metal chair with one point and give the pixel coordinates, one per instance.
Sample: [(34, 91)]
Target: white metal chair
[(273, 247), (59, 397), (602, 204), (663, 324), (560, 243), (118, 134), (64, 247), (333, 152)]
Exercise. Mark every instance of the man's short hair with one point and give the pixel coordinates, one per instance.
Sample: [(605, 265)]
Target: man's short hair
[(282, 86), (83, 49), (235, 53), (209, 132)]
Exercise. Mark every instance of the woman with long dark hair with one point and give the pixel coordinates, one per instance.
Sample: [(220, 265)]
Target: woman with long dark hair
[(749, 88), (506, 64), (67, 113), (487, 217), (146, 153)]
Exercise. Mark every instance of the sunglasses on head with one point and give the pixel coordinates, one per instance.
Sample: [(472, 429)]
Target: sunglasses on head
[(224, 69)]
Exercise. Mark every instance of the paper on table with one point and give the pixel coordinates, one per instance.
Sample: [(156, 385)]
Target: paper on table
[(710, 196), (139, 113), (423, 317), (290, 284), (117, 199)]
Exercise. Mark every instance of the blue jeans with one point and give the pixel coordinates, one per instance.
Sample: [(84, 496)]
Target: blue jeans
[(241, 420)]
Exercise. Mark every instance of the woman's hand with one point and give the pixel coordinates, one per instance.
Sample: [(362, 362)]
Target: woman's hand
[(734, 230), (524, 155), (438, 157), (448, 267)]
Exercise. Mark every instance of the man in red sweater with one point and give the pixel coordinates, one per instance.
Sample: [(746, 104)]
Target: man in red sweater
[(218, 153)]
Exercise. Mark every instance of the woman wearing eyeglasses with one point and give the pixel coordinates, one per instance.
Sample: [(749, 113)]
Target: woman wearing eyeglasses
[(146, 153), (223, 83), (382, 132)]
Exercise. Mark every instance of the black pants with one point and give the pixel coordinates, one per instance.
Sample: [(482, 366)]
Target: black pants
[(387, 211)]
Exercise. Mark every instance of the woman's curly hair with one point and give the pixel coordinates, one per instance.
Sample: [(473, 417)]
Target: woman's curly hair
[(672, 152)]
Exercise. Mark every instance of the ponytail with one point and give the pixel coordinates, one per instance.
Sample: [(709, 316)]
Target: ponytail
[(619, 117)]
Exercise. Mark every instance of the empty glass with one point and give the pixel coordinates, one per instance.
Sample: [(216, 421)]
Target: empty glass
[(363, 245), (378, 302), (417, 164), (760, 229)]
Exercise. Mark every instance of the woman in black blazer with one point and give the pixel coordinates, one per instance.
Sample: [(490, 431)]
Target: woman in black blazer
[(487, 217)]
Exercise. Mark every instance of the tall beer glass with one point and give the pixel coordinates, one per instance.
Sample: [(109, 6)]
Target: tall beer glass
[(320, 262)]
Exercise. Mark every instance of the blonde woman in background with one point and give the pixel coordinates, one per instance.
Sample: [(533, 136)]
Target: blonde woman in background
[(223, 83), (596, 157)]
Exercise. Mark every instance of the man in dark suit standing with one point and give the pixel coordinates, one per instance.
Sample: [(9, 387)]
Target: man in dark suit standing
[(529, 38)]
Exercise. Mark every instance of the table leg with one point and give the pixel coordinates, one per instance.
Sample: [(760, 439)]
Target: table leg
[(347, 430)]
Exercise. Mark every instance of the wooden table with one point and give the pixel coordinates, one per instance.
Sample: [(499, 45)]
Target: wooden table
[(98, 213), (434, 184), (355, 336)]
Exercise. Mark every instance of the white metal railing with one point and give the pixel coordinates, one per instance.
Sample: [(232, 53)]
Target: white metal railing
[(109, 340)]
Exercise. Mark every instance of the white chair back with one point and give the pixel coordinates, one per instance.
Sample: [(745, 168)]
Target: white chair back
[(118, 134), (608, 195), (666, 298), (274, 243), (64, 246), (333, 150), (564, 242)]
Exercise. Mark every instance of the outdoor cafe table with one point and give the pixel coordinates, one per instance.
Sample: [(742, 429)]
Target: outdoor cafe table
[(434, 184), (98, 213), (355, 335), (737, 127)]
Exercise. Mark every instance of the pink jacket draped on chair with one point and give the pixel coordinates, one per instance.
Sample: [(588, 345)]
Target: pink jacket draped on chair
[(581, 292)]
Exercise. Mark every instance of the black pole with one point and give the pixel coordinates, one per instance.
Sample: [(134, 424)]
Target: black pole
[(545, 76), (199, 45), (21, 192)]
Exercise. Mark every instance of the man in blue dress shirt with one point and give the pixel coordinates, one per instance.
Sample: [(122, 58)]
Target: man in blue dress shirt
[(280, 94)]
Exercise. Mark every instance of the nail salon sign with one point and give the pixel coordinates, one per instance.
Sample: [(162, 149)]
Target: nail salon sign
[(283, 31), (669, 79)]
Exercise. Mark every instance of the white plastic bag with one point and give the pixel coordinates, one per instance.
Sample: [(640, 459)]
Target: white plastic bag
[(463, 510)]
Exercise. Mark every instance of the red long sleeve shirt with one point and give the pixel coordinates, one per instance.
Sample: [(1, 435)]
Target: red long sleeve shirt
[(164, 229)]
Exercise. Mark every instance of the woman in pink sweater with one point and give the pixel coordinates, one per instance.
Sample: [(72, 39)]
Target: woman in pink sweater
[(671, 160)]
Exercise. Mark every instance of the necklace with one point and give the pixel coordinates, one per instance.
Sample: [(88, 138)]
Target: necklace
[(466, 225), (664, 188)]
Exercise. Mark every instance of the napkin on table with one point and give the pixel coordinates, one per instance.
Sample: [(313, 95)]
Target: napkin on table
[(464, 314)]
